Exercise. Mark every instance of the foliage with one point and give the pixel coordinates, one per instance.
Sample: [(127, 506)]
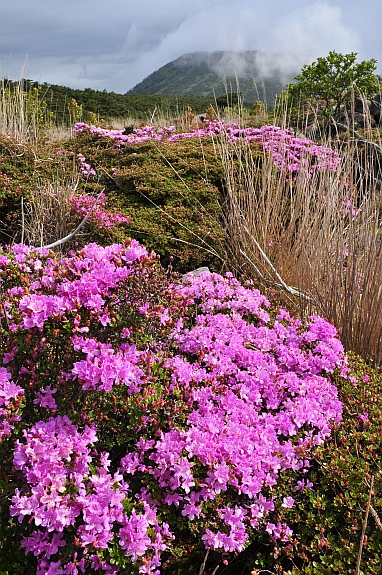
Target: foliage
[(148, 412), (169, 190), (58, 102), (331, 81), (18, 176), (171, 183), (43, 182)]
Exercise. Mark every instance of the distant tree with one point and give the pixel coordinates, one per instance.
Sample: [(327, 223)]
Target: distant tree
[(227, 100), (332, 81)]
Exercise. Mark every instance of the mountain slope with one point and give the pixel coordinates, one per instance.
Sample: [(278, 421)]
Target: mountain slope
[(212, 74)]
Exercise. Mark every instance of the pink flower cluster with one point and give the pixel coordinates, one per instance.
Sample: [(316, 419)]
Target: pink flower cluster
[(100, 216), (85, 168), (253, 389), (10, 395), (67, 489), (289, 153), (225, 398)]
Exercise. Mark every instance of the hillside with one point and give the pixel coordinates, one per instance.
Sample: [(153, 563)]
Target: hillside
[(213, 73)]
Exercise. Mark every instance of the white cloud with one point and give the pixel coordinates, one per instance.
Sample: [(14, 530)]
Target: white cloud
[(295, 38), (315, 29), (119, 42), (311, 32)]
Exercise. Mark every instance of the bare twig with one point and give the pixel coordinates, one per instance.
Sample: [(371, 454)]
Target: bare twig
[(22, 220), (364, 527), (203, 565), (358, 136), (376, 517)]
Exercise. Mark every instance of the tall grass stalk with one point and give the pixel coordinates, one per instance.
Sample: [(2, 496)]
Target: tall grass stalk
[(24, 115), (321, 235)]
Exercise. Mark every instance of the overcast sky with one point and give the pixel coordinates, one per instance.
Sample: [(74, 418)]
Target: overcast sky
[(114, 44)]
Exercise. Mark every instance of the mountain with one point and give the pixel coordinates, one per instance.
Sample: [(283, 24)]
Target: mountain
[(213, 74)]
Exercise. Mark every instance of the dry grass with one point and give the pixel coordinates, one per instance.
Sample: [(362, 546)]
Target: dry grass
[(55, 134), (312, 240)]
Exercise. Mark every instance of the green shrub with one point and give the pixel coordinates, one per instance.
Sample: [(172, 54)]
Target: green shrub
[(171, 191)]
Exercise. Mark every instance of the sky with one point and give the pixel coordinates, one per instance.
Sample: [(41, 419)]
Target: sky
[(115, 44)]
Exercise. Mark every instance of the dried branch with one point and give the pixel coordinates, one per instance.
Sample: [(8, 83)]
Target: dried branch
[(376, 517), (73, 234), (22, 220), (203, 565), (358, 136)]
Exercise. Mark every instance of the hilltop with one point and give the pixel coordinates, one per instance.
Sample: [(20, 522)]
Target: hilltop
[(213, 73)]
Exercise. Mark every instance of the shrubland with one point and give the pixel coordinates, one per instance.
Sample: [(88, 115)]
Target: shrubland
[(148, 417)]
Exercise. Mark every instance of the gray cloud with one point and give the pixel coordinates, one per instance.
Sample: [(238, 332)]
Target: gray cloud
[(114, 44)]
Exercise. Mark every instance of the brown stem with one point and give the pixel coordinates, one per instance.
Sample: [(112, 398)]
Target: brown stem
[(201, 570)]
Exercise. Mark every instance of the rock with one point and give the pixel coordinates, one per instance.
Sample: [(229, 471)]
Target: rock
[(194, 273), (375, 110), (199, 119), (359, 119), (361, 105)]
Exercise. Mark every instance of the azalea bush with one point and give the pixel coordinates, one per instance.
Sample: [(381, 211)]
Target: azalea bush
[(288, 151), (170, 191), (143, 415), (174, 186)]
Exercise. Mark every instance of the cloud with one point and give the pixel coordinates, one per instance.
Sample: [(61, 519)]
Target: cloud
[(315, 29), (114, 44), (295, 38), (305, 34)]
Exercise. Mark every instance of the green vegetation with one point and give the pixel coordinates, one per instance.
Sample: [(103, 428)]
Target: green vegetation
[(107, 105), (331, 82), (171, 193)]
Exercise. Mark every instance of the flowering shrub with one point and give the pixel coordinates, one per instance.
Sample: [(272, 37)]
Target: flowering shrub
[(288, 152), (85, 169), (327, 522), (102, 217), (152, 410), (17, 178), (10, 397)]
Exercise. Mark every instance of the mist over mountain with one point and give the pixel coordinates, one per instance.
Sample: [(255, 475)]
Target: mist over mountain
[(212, 74)]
